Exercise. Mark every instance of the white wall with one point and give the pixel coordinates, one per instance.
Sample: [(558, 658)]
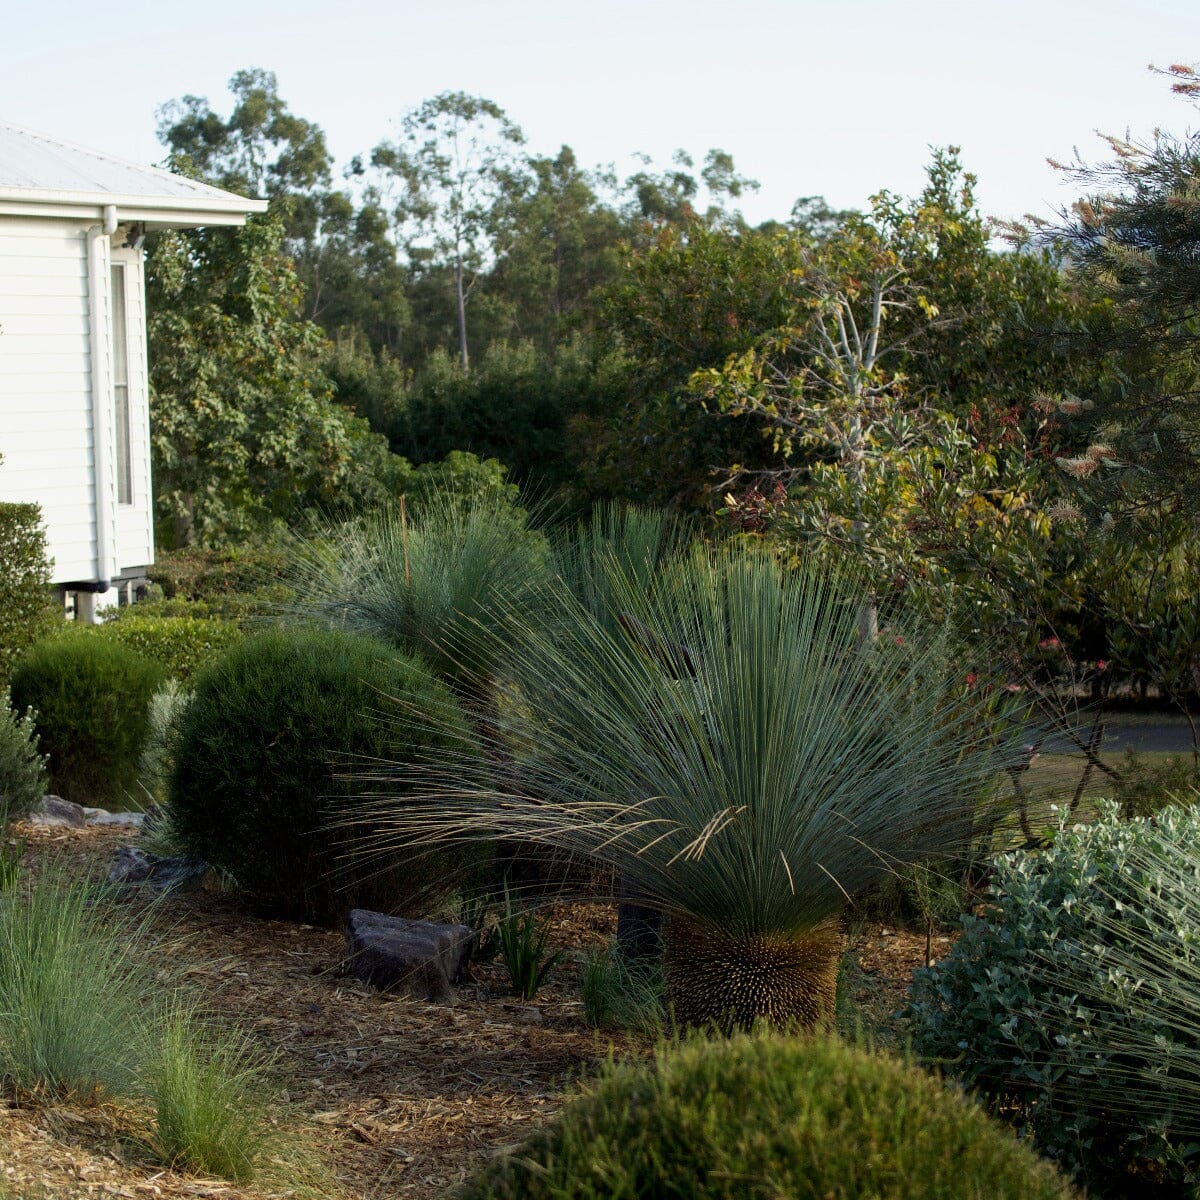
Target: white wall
[(46, 403), (45, 385)]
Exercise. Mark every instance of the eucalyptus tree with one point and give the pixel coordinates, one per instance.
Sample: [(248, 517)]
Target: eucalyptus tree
[(261, 149), (449, 168)]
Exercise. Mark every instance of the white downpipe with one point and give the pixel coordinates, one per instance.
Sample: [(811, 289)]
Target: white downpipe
[(97, 266)]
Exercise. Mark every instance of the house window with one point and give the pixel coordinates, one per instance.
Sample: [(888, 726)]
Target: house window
[(120, 376)]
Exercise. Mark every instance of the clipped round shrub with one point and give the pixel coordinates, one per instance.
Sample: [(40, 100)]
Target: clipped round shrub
[(764, 1117), (1073, 1001), (91, 698), (263, 783), (181, 645)]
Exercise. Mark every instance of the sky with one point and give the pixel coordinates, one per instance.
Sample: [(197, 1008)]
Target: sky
[(839, 98)]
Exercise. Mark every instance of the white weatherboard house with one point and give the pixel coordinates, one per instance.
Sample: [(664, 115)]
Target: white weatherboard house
[(74, 399)]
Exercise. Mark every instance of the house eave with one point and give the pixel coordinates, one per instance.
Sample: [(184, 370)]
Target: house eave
[(162, 212)]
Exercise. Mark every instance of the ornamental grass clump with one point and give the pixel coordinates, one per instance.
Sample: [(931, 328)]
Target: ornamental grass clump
[(74, 999), (1073, 1002), (210, 1087), (763, 1116), (428, 581), (731, 749)]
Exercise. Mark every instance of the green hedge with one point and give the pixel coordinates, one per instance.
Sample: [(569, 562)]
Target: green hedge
[(181, 645), (199, 573), (27, 609), (91, 700)]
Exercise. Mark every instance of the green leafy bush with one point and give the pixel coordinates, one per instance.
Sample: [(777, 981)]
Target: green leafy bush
[(266, 762), (769, 1117), (180, 644), (243, 608), (22, 768), (1057, 1002), (91, 698), (27, 610), (204, 573)]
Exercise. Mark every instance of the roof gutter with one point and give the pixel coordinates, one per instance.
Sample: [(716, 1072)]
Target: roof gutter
[(100, 371), (217, 208)]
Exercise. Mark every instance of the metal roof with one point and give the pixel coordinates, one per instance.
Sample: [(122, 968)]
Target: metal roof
[(40, 174)]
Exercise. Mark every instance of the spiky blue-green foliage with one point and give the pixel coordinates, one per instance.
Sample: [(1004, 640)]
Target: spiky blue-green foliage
[(422, 580), (759, 1117), (742, 760), (1074, 1001), (607, 561)]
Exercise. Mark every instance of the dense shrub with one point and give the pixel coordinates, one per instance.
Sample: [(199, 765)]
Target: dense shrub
[(261, 765), (751, 1117), (1144, 786), (245, 609), (1058, 1001), (22, 768), (180, 645), (26, 607), (202, 573), (91, 698)]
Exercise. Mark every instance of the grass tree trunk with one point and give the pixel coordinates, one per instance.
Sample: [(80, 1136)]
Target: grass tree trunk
[(734, 980), (639, 927)]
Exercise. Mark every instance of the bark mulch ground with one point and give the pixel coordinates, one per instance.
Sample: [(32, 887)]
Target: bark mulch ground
[(400, 1098)]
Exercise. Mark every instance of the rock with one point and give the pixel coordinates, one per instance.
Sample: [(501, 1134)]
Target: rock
[(132, 820), (417, 958), (179, 873), (54, 810)]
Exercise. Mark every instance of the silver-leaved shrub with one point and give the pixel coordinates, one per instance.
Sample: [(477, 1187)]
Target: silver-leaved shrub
[(1073, 1001)]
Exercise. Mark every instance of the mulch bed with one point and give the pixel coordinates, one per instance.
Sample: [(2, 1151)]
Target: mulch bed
[(402, 1098)]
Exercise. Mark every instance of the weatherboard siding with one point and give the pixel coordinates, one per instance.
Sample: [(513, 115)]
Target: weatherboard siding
[(45, 386)]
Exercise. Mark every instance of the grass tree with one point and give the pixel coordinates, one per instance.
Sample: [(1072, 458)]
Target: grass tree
[(738, 756), (436, 582)]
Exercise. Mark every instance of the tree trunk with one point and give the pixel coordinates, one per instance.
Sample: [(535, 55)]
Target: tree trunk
[(639, 928), (462, 313)]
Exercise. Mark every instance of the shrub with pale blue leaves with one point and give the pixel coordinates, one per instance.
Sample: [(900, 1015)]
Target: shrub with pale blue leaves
[(1073, 1002)]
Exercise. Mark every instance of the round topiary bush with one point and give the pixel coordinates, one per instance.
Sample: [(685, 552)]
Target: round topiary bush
[(770, 1117), (262, 783), (91, 697)]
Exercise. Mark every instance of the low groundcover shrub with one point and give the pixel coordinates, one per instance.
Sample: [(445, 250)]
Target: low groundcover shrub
[(1073, 1001), (757, 1116)]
